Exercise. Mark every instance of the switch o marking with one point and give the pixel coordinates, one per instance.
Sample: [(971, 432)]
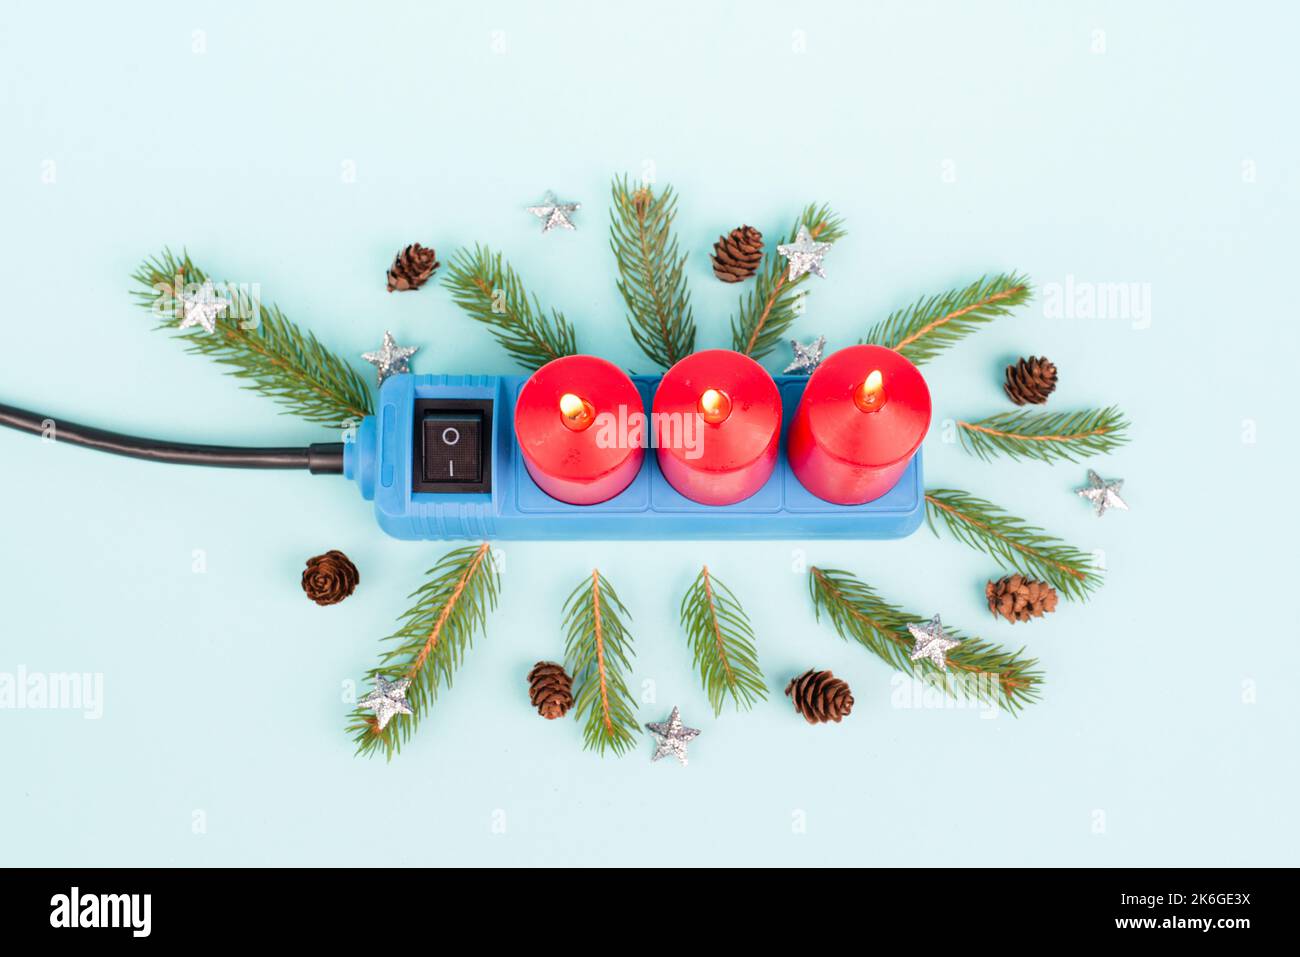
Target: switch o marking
[(450, 436)]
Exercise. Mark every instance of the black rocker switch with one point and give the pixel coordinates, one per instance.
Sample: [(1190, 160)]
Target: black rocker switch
[(453, 446)]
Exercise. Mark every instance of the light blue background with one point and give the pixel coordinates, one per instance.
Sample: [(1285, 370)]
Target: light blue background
[(1169, 159)]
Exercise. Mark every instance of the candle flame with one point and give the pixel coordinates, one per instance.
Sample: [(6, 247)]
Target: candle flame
[(715, 405), (870, 396), (577, 411)]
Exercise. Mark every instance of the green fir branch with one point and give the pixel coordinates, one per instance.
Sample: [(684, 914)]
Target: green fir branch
[(722, 641), (450, 608), (598, 652), (1045, 436), (652, 275), (1012, 542), (767, 310), (976, 669), (271, 355), (491, 292), (931, 324)]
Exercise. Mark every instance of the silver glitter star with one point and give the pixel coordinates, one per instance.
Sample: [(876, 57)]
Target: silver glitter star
[(202, 308), (806, 358), (388, 699), (932, 643), (553, 213), (1103, 493), (391, 358), (804, 254), (672, 737)]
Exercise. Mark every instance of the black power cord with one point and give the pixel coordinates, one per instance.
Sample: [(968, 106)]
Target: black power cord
[(322, 458)]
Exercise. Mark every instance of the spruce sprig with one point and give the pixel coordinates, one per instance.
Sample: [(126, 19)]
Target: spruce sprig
[(652, 275), (933, 323), (272, 355), (1014, 543), (767, 310), (598, 652), (450, 608), (722, 641), (491, 292), (977, 669), (1045, 436)]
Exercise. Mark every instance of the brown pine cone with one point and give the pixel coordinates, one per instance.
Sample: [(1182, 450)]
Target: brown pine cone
[(820, 696), (1017, 598), (550, 689), (412, 267), (330, 578), (736, 255), (1030, 381)]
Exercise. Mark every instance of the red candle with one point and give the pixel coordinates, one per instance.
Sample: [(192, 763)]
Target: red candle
[(566, 451), (862, 417), (718, 420)]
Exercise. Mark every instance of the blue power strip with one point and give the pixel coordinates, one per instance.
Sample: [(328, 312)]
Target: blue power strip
[(381, 459)]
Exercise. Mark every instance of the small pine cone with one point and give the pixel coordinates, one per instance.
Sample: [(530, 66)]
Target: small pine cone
[(1030, 381), (820, 696), (1017, 598), (736, 255), (550, 689), (412, 268), (329, 578)]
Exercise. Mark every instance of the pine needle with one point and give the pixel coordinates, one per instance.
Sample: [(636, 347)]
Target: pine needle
[(977, 670), (489, 290), (722, 641), (598, 649), (768, 310), (652, 276), (431, 642), (1045, 436), (1012, 542), (270, 354), (931, 324)]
